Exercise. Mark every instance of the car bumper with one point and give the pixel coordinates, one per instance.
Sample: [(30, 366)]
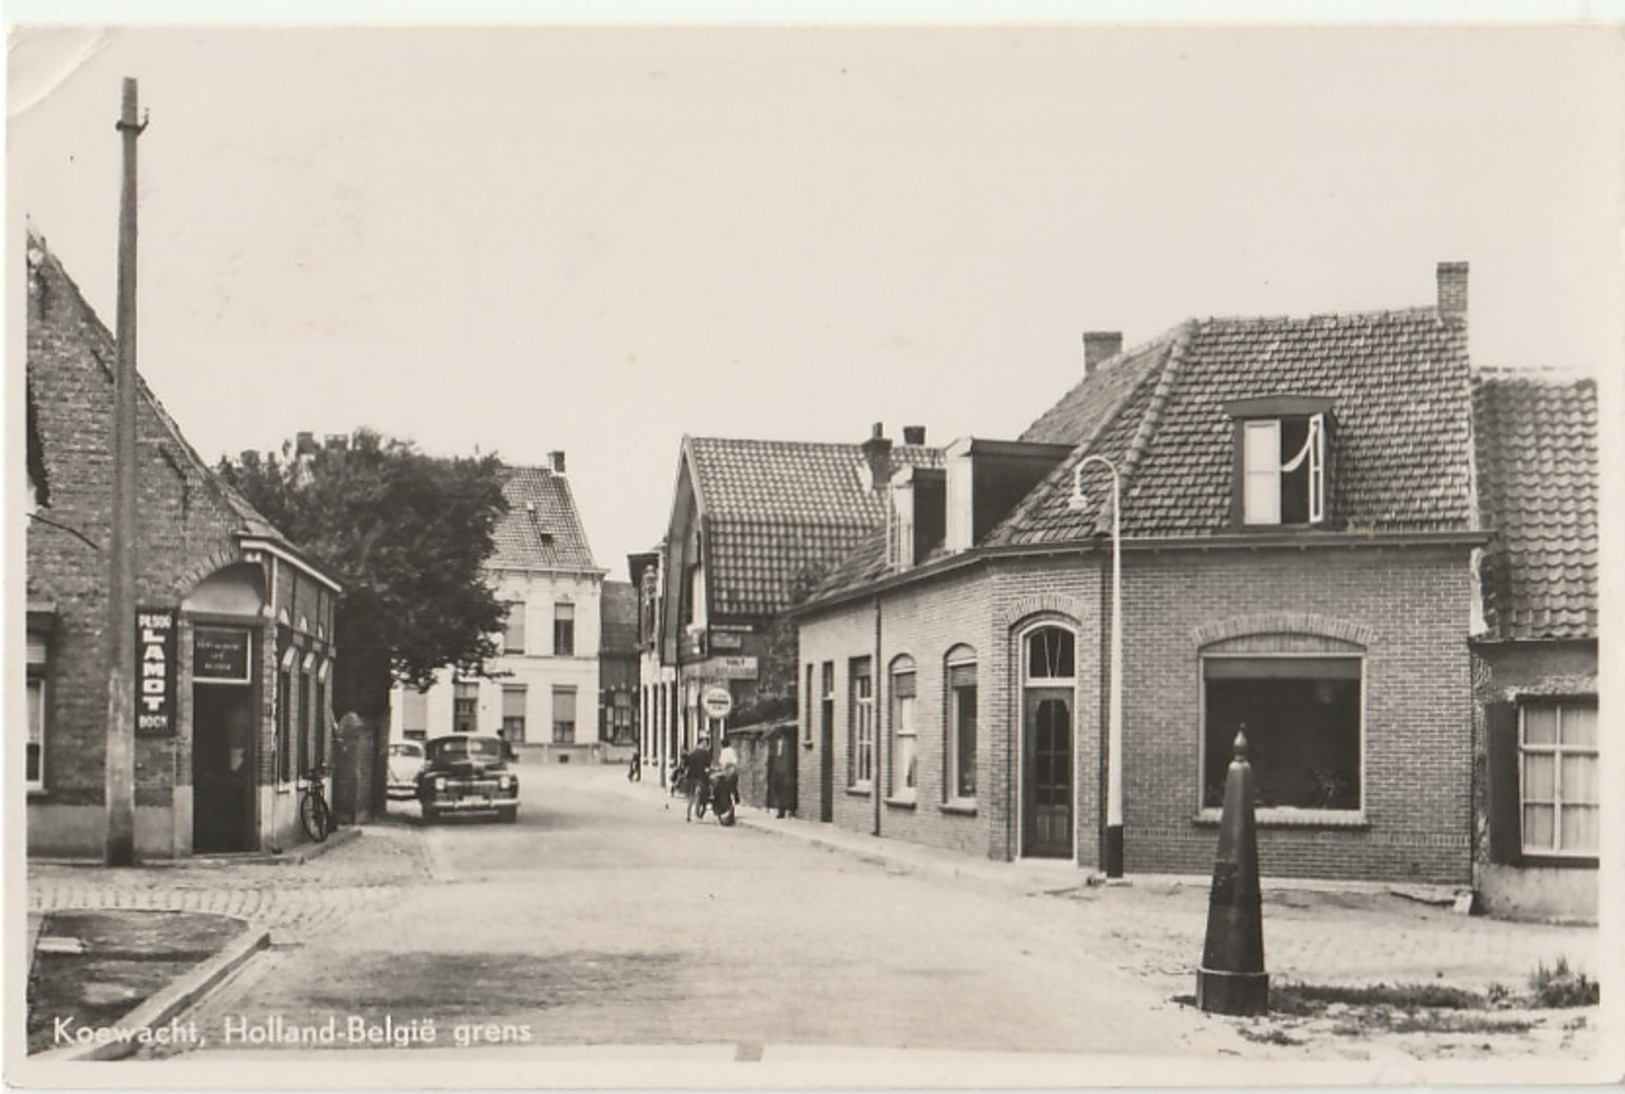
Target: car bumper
[(470, 804)]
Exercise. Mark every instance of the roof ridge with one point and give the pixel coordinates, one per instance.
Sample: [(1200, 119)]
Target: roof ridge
[(1416, 311)]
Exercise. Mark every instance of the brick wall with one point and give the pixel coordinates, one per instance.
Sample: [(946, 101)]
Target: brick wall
[(183, 532), (1412, 607), (1407, 609)]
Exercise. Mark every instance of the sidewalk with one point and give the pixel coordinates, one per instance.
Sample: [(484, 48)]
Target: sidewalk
[(1319, 932)]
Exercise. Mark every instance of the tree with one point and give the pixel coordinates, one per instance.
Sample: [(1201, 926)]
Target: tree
[(407, 536)]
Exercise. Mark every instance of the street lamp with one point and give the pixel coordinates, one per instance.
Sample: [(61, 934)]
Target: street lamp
[(1114, 715)]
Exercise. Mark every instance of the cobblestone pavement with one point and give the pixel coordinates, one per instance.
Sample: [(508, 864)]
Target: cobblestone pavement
[(604, 919)]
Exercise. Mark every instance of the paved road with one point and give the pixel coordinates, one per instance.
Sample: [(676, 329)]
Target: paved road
[(603, 919)]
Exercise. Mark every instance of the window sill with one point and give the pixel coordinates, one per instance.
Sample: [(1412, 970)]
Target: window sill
[(857, 791), (901, 803), (959, 808), (1547, 859), (38, 793), (1293, 818)]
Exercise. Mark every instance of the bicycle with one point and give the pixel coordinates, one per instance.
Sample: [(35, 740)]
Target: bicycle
[(315, 815)]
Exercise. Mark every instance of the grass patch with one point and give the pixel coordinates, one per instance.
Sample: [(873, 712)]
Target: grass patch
[(1290, 998), (1560, 986)]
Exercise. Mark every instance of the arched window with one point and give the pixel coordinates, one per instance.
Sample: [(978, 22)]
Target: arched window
[(959, 708), (903, 757), (1050, 654)]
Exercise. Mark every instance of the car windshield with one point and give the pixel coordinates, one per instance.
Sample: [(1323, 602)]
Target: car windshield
[(458, 748), (411, 750)]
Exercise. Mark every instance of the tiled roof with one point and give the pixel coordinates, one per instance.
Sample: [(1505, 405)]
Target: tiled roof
[(542, 529), (1397, 381), (776, 509), (49, 281), (1537, 490), (618, 608)]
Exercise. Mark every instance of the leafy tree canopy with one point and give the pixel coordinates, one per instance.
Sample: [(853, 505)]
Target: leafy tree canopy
[(407, 535)]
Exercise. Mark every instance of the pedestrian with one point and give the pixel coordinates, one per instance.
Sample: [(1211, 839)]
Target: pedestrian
[(634, 769)]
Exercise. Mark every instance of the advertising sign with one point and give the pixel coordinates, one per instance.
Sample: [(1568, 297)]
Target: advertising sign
[(155, 672), (731, 667), (220, 654)]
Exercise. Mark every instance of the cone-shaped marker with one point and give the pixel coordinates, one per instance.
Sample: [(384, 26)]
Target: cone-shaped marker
[(1232, 978)]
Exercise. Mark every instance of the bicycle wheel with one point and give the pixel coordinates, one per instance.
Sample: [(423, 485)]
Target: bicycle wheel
[(314, 816)]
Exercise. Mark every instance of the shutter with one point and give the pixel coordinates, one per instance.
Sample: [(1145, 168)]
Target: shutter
[(1501, 755), (1317, 469)]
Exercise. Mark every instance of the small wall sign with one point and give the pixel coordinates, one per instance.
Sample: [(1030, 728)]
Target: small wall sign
[(220, 654)]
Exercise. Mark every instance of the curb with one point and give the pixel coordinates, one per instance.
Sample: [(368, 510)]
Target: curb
[(298, 856), (164, 1004)]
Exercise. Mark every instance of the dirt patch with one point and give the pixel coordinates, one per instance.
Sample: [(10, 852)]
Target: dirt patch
[(128, 956)]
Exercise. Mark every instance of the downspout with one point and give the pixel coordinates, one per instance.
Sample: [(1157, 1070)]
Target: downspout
[(878, 676)]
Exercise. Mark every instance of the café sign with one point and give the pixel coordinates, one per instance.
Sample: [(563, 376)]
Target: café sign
[(155, 672), (220, 654)]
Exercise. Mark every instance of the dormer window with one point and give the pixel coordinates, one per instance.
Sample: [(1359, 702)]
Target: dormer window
[(1282, 451)]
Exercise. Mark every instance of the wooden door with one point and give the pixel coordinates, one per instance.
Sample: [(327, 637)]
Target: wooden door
[(1047, 774)]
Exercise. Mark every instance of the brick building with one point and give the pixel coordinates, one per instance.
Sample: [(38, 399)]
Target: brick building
[(1298, 523), (752, 525), (234, 628), (542, 690), (1535, 650)]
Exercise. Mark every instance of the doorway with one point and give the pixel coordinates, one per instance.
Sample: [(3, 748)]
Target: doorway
[(1047, 774), (224, 761)]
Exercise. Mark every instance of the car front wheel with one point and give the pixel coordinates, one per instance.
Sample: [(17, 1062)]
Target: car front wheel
[(430, 814), (508, 815)]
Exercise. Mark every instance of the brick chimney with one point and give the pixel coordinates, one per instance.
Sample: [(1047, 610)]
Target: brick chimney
[(1452, 290), (555, 461), (336, 442), (877, 453), (1099, 345), (914, 434), (304, 444)]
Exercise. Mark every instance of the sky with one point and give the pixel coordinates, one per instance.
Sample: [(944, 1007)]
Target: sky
[(597, 239)]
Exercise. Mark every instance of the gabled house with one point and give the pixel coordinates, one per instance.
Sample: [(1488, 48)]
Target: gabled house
[(657, 682), (1296, 533), (753, 525), (541, 692), (1535, 646), (234, 629)]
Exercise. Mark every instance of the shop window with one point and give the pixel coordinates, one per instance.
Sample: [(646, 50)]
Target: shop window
[(902, 763), (1559, 778), (465, 706), (513, 713), (513, 628), (307, 720), (34, 766), (861, 726), (1302, 718), (961, 730), (564, 716), (321, 714), (284, 717), (564, 630)]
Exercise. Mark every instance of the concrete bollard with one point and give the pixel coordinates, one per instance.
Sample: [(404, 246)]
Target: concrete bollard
[(1232, 979)]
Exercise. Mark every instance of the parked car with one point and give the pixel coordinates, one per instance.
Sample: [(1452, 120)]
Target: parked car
[(405, 761), (467, 773)]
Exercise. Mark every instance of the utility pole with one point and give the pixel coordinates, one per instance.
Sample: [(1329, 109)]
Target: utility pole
[(120, 790)]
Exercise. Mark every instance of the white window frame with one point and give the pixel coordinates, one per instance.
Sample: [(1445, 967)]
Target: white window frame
[(1284, 814), (1558, 750), (1262, 469), (509, 693), (904, 728), (958, 660), (861, 764)]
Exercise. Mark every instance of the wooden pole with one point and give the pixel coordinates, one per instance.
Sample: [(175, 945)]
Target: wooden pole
[(120, 789)]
